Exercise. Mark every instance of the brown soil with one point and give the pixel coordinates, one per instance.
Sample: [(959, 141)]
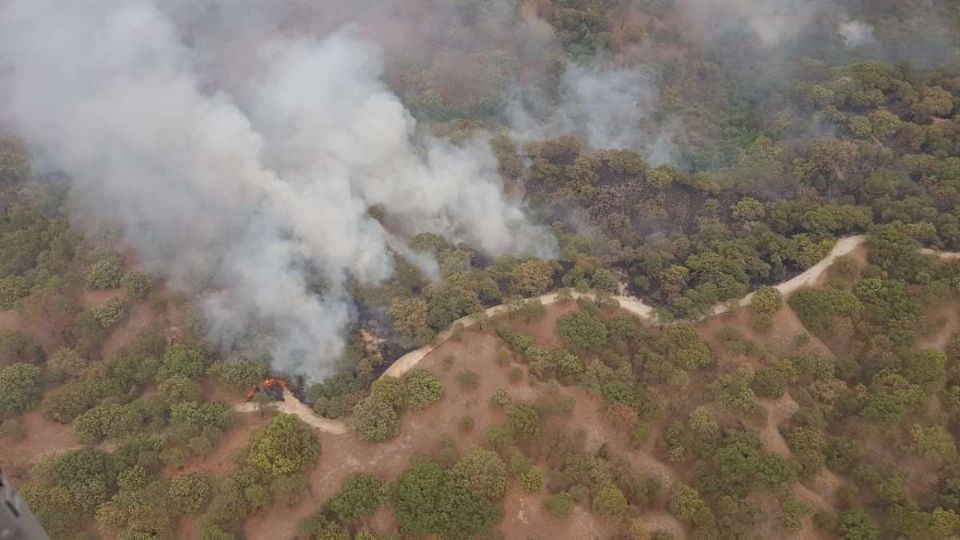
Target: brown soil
[(422, 431), (544, 330), (47, 332), (525, 517), (140, 318), (218, 462), (42, 437), (663, 521), (778, 412), (781, 340), (93, 299), (946, 321)]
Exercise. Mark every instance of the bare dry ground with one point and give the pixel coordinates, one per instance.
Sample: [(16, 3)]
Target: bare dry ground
[(944, 322), (41, 438), (421, 433)]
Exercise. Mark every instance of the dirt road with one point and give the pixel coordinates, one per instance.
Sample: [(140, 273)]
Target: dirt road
[(636, 306)]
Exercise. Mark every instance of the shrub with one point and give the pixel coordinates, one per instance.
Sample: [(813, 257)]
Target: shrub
[(109, 314), (12, 289), (933, 443), (515, 375), (687, 505), (483, 473), (191, 362), (191, 418), (766, 301), (137, 285), (178, 388), (66, 489), (466, 423), (771, 382), (610, 503), (518, 342), (499, 398), (497, 437), (109, 421), (19, 347), (583, 331), (528, 311), (320, 526), (105, 273), (375, 420), (793, 514), (65, 403), (531, 278), (359, 495), (448, 361), (856, 525), (189, 491), (532, 480), (240, 374), (19, 388), (65, 364), (560, 504), (430, 499), (468, 379), (523, 421), (283, 447), (421, 389), (12, 429), (817, 308)]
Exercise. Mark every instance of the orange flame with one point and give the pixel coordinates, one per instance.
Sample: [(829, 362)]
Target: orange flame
[(265, 384)]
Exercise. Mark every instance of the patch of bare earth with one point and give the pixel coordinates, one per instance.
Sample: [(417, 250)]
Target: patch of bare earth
[(778, 412), (42, 437), (945, 322), (663, 521), (236, 437), (94, 299), (47, 331), (525, 517), (781, 340), (422, 431)]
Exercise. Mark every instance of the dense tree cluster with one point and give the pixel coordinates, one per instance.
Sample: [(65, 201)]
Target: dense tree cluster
[(376, 418)]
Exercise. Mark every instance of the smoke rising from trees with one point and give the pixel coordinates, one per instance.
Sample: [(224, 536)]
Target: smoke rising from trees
[(254, 196), (606, 107)]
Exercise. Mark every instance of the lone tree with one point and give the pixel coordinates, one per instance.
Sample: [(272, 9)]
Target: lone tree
[(421, 389), (483, 473), (767, 301), (359, 495), (583, 331), (19, 388), (283, 447)]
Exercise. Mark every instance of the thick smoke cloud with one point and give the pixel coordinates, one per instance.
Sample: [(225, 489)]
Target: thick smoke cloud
[(605, 107), (900, 31), (253, 194), (771, 22), (857, 34)]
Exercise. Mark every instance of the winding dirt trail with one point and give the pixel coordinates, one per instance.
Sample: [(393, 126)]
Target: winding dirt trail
[(778, 412), (292, 405), (844, 246), (636, 306), (945, 255)]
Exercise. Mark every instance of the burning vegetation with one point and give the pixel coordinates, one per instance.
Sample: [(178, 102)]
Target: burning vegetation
[(271, 387)]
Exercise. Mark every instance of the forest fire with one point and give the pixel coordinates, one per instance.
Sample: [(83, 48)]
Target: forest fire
[(272, 387)]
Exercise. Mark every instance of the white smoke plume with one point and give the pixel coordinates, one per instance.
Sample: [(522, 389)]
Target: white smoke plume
[(771, 22), (857, 34), (609, 108), (246, 193)]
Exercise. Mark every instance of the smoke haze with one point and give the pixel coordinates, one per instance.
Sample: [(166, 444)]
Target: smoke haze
[(244, 188), (609, 108)]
